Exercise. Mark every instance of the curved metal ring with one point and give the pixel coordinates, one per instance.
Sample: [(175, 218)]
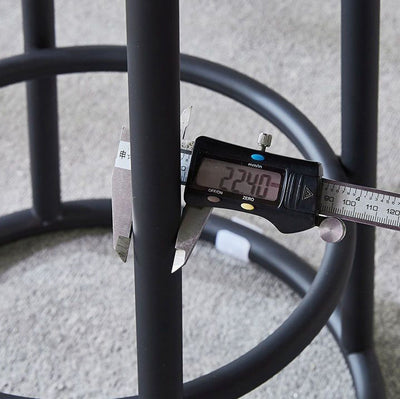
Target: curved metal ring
[(275, 352)]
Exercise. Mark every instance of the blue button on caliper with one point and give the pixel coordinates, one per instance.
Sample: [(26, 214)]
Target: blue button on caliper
[(258, 157)]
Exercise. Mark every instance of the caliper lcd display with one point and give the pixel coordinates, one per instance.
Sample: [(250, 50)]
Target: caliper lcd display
[(239, 179)]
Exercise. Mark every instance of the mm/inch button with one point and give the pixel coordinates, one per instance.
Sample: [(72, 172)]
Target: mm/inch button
[(258, 157)]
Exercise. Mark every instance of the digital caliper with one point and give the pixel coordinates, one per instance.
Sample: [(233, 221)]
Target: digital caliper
[(290, 193)]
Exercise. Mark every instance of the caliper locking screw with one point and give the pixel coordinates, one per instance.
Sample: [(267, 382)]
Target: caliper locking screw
[(264, 140)]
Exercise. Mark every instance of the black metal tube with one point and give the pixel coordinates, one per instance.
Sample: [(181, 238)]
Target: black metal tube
[(267, 253), (277, 260), (8, 396), (252, 94), (360, 56), (62, 60), (360, 75), (271, 355), (39, 33), (75, 214), (211, 75), (154, 107)]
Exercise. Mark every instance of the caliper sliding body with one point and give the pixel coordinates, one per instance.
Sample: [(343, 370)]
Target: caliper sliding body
[(290, 193)]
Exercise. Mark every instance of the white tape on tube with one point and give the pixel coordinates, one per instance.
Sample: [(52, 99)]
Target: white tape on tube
[(233, 244)]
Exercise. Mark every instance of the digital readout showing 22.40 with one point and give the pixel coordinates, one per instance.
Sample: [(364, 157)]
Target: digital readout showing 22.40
[(239, 179)]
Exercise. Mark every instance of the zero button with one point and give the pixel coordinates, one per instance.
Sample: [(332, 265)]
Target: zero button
[(246, 206)]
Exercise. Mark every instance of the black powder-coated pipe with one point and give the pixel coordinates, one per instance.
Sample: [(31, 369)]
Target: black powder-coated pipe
[(273, 107), (360, 75), (75, 214), (275, 352), (360, 48), (62, 60), (211, 75), (39, 33), (264, 251), (154, 108)]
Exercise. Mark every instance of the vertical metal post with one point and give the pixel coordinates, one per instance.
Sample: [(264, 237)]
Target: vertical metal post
[(154, 102), (360, 55), (39, 33), (360, 73)]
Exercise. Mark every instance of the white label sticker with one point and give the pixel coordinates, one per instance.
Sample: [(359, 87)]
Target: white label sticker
[(233, 244), (123, 159)]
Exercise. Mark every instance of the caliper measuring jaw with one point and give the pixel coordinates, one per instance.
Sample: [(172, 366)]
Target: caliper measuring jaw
[(121, 197)]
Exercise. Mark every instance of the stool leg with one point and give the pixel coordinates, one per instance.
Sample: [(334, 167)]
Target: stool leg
[(153, 77), (38, 21), (360, 62)]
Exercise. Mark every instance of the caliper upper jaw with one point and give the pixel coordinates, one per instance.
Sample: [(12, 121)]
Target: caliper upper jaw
[(121, 199)]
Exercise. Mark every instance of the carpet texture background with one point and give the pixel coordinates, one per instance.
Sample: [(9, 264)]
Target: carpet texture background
[(67, 303)]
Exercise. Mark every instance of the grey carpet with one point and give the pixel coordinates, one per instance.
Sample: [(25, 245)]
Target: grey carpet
[(67, 303)]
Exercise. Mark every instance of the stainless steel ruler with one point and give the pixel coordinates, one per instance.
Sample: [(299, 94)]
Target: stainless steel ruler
[(360, 204)]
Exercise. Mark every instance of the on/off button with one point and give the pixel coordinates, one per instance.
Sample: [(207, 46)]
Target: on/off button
[(213, 198)]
